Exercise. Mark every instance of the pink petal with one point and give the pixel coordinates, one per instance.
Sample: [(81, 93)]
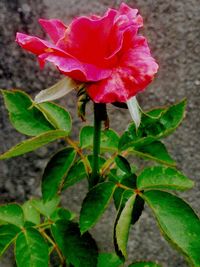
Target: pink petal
[(31, 43), (75, 69), (139, 60), (136, 71), (54, 27), (120, 87), (109, 90), (36, 45), (87, 38), (131, 14), (127, 20)]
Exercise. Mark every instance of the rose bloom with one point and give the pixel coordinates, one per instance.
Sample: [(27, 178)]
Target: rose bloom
[(106, 53)]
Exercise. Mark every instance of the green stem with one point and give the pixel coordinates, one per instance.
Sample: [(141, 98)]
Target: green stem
[(96, 145)]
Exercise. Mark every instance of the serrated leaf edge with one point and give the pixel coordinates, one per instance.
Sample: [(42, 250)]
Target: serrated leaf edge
[(3, 156), (166, 234)]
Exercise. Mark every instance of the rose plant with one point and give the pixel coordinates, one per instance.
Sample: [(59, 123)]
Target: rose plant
[(105, 60)]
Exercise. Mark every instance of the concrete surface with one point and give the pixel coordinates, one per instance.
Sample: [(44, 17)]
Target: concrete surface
[(173, 31)]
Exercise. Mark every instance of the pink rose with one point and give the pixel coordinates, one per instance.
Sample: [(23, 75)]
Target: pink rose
[(106, 53)]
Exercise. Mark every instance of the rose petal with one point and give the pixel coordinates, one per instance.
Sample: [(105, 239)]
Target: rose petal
[(121, 86), (140, 61), (136, 71), (36, 45), (87, 38), (109, 90), (54, 27), (31, 43), (75, 69), (131, 14), (127, 20)]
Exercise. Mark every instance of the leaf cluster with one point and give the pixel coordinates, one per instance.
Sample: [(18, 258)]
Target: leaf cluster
[(41, 227)]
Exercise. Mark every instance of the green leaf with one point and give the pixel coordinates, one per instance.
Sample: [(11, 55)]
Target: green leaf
[(117, 175), (137, 207), (62, 214), (56, 171), (79, 250), (33, 144), (160, 177), (30, 213), (109, 260), (144, 264), (155, 124), (109, 139), (163, 121), (8, 233), (123, 223), (12, 213), (178, 223), (155, 151), (25, 118), (132, 139), (56, 115), (129, 181), (76, 174), (58, 90), (46, 208), (31, 249), (123, 164), (94, 204), (172, 117)]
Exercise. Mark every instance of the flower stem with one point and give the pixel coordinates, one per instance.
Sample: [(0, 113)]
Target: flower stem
[(96, 145)]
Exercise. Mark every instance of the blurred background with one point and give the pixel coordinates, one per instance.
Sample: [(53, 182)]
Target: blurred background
[(173, 31)]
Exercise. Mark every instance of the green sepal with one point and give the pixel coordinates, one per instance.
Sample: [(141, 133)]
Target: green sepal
[(83, 99)]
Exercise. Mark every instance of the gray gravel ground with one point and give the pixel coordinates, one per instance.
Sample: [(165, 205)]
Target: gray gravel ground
[(174, 33)]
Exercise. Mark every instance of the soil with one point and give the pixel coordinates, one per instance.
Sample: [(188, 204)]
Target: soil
[(172, 28)]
